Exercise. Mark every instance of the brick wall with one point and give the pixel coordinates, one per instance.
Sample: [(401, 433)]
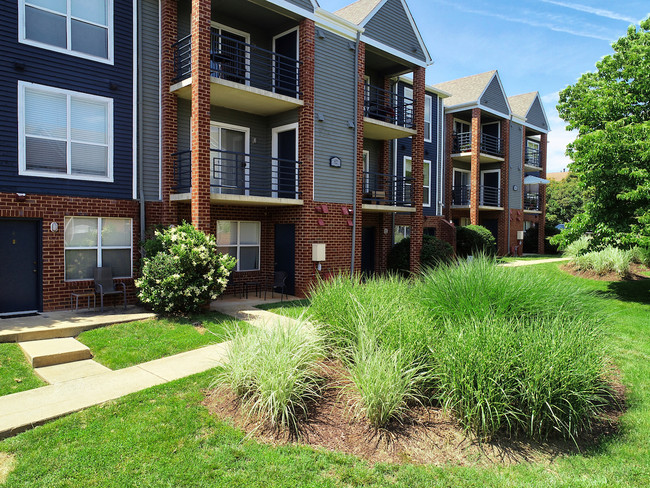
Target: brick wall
[(475, 177), (542, 195), (56, 291), (502, 241), (417, 166)]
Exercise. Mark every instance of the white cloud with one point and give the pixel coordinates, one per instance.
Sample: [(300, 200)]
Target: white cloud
[(558, 138), (608, 14)]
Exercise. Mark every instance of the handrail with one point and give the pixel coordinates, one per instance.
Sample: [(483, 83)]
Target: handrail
[(388, 106), (387, 189)]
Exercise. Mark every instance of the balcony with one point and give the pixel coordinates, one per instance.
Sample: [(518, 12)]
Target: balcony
[(460, 195), (532, 202), (244, 77), (492, 148), (242, 179), (385, 192), (386, 114), (490, 196), (533, 159)]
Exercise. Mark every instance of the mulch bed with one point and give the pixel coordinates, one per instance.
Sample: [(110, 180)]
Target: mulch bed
[(427, 436), (636, 273)]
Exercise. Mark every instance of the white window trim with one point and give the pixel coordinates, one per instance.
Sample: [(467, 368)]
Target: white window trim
[(99, 248), (429, 137), (425, 204), (247, 149), (238, 246), (498, 171), (246, 36), (453, 184), (498, 124), (274, 153), (22, 163), (282, 34), (70, 51)]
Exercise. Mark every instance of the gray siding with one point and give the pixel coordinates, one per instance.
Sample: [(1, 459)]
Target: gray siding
[(494, 97), (184, 111), (515, 165), (391, 26), (306, 4), (284, 118), (335, 103), (536, 115), (150, 102)]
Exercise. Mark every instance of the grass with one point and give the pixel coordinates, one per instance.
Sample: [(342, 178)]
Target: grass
[(294, 309), (163, 436), (511, 259), (122, 345), (15, 372)]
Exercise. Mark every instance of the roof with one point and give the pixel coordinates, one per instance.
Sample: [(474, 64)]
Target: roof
[(358, 11), (465, 90), (559, 176), (520, 104)]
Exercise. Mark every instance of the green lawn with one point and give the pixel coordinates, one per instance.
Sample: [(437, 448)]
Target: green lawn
[(15, 372), (510, 259), (293, 309), (122, 345), (165, 437)]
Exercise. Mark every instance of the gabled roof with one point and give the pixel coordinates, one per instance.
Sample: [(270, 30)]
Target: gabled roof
[(358, 11), (466, 90), (530, 107), (520, 104)]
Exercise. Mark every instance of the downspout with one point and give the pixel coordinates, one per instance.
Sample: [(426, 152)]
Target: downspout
[(507, 192), (139, 138), (356, 151)]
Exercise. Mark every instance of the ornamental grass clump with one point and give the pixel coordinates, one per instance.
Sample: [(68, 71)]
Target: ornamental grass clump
[(577, 247), (182, 271), (274, 371), (608, 260)]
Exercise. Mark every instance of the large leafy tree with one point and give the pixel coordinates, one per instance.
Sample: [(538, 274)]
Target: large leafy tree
[(564, 200), (610, 108)]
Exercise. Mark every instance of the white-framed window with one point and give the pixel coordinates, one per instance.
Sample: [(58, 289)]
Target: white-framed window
[(81, 28), (401, 232), (64, 134), (428, 121), (426, 191), (90, 242), (240, 240), (462, 127)]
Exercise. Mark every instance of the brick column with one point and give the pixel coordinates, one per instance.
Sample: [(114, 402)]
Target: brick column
[(417, 164), (385, 166), (504, 217), (304, 231), (169, 122), (541, 234), (358, 194), (475, 176), (449, 165), (201, 114)]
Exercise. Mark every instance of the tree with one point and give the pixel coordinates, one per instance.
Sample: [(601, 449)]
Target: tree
[(564, 200), (610, 108)]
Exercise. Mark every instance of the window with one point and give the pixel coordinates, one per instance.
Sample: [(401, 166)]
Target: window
[(78, 27), (64, 134), (91, 242), (428, 122), (242, 241), (401, 232), (426, 192)]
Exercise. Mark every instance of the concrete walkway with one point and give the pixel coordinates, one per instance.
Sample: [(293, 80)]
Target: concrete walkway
[(24, 410), (530, 262)]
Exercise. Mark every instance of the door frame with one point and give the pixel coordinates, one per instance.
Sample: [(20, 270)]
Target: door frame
[(282, 34), (39, 260), (237, 32), (498, 171), (275, 131), (247, 136)]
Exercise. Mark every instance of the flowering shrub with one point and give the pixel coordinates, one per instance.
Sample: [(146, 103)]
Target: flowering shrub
[(184, 272)]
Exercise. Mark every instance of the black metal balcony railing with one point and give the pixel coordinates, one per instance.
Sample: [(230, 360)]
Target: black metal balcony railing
[(532, 201), (460, 195), (236, 173), (490, 196), (234, 60), (490, 144), (385, 189), (533, 157), (387, 106)]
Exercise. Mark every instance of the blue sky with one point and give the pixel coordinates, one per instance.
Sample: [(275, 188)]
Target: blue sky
[(537, 45)]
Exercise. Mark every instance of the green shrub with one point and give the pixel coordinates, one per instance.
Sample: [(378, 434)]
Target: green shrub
[(185, 272), (608, 260), (473, 240), (274, 371), (434, 251), (577, 247)]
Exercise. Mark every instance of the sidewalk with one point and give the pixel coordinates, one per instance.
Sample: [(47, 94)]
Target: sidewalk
[(24, 410), (530, 262)]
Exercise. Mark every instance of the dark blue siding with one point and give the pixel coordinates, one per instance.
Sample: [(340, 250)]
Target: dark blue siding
[(68, 72), (404, 148)]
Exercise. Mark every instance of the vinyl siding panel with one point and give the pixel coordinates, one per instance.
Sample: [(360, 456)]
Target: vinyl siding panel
[(495, 98), (515, 165), (306, 4), (335, 103), (64, 71), (150, 103), (536, 115), (391, 26)]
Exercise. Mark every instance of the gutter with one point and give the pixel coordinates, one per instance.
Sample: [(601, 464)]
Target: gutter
[(356, 151)]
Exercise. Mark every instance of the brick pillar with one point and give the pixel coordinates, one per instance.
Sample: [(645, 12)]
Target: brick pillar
[(542, 196), (304, 233), (201, 114), (504, 217), (169, 122), (475, 177), (449, 165), (358, 195), (417, 163), (385, 166)]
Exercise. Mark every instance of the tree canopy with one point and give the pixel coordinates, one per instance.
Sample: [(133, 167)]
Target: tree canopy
[(610, 108), (564, 200)]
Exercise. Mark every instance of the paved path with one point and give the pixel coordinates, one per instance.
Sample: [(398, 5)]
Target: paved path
[(24, 410), (530, 262)]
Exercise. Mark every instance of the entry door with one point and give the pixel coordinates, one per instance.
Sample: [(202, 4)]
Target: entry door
[(285, 253), (285, 69), (368, 250), (286, 177), (493, 226), (230, 172), (20, 275), (231, 61), (490, 189)]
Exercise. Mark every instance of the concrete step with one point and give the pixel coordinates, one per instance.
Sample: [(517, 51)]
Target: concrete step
[(48, 352), (60, 373)]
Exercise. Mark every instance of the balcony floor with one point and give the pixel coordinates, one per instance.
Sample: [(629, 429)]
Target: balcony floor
[(466, 157), (531, 168), (241, 200), (244, 98), (384, 131), (371, 208)]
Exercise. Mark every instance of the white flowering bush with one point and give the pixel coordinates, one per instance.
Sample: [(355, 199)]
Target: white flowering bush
[(183, 272)]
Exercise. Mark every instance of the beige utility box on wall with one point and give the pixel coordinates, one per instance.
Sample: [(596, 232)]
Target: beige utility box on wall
[(318, 252), (520, 235)]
